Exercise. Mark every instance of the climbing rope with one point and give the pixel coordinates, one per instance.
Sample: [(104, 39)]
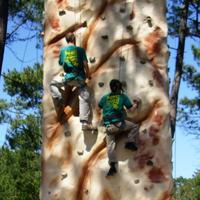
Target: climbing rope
[(122, 59), (25, 49), (174, 164), (74, 5), (80, 36)]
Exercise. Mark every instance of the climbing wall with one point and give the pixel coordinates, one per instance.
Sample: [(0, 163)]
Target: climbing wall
[(124, 39)]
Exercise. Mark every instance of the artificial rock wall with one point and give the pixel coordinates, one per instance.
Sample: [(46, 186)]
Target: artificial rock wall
[(124, 39)]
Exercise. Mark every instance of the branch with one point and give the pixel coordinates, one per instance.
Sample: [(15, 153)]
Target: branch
[(172, 48), (178, 66), (191, 34), (24, 39), (15, 29), (15, 55)]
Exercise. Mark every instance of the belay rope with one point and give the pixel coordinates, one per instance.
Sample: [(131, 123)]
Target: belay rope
[(122, 58)]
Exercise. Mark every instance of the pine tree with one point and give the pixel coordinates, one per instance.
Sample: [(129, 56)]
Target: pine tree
[(20, 155), (183, 16)]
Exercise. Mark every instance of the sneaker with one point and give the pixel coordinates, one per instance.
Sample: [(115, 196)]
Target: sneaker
[(88, 127), (131, 146), (112, 170)]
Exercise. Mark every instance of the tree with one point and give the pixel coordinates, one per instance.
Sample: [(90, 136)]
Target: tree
[(187, 189), (189, 111), (25, 15), (20, 155), (3, 28), (183, 22), (21, 14)]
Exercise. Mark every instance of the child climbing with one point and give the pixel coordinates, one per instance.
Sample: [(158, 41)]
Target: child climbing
[(113, 105), (76, 71)]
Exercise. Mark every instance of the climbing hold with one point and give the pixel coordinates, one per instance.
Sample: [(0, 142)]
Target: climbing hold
[(105, 37), (86, 191), (137, 181), (149, 163), (145, 131), (101, 84), (131, 16), (103, 18), (142, 62), (80, 152), (149, 21), (151, 83), (64, 176), (67, 133), (62, 12), (129, 27), (122, 10), (122, 58), (84, 24), (92, 59)]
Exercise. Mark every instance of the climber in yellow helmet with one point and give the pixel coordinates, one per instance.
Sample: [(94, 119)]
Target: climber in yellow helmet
[(73, 59), (113, 105)]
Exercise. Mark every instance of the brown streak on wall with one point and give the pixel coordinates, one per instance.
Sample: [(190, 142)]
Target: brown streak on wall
[(53, 22), (166, 196), (66, 154), (158, 78), (93, 24), (106, 195), (91, 28), (54, 135), (117, 44), (156, 175), (54, 182), (154, 107), (86, 170), (153, 43), (62, 35), (142, 159), (62, 4)]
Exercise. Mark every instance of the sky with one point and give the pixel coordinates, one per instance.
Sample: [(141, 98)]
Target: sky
[(185, 157)]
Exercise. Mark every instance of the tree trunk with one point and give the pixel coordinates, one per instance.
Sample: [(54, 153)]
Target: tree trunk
[(121, 42), (3, 28), (179, 65)]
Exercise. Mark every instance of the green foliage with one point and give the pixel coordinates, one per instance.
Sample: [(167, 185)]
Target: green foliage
[(189, 110), (24, 133), (20, 174), (196, 53), (4, 117), (174, 15), (25, 15), (29, 10), (187, 189), (25, 86), (20, 155)]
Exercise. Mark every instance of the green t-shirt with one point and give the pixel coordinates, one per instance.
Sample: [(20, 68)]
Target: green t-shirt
[(113, 107), (71, 58)]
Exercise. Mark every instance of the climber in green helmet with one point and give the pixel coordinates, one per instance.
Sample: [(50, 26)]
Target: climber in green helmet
[(73, 59), (113, 105)]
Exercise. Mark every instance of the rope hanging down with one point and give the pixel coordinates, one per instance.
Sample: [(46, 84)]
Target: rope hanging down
[(122, 58)]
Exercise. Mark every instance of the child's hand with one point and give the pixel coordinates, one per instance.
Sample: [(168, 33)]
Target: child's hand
[(137, 102)]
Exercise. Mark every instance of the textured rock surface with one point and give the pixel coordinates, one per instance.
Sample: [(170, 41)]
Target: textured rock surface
[(125, 40)]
